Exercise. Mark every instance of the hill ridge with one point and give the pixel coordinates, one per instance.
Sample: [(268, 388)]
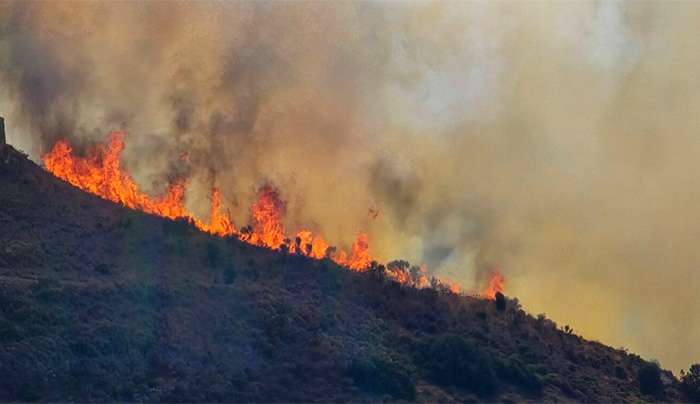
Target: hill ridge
[(102, 303)]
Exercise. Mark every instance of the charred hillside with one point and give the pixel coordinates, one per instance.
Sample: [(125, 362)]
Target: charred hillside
[(98, 302)]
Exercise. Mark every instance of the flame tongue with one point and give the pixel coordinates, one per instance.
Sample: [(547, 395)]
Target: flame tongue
[(360, 258), (496, 284), (219, 224), (267, 214)]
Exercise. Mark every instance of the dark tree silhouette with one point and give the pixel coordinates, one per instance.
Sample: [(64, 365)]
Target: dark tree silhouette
[(649, 378), (500, 301), (691, 382)]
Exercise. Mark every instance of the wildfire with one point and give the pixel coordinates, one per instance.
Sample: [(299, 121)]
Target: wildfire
[(496, 284), (101, 174)]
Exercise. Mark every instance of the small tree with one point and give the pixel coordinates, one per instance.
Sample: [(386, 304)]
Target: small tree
[(500, 301), (376, 271), (649, 378), (691, 382)]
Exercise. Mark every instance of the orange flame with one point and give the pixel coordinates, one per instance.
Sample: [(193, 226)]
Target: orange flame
[(220, 224), (360, 258), (267, 213), (308, 244), (496, 284), (453, 287)]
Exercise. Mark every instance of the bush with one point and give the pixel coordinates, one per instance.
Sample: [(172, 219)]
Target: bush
[(229, 275), (691, 382), (500, 301), (212, 253), (102, 268), (513, 370), (649, 378), (380, 377), (620, 372), (452, 360)]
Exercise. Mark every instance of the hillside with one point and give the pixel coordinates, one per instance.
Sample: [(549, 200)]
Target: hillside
[(101, 303)]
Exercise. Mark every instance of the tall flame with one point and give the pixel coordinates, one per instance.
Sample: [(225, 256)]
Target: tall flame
[(220, 223), (267, 213), (496, 284), (360, 257)]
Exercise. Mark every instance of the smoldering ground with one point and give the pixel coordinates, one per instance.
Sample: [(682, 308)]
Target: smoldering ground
[(555, 140)]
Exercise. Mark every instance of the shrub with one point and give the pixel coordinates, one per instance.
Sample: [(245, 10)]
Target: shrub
[(649, 378), (500, 301), (102, 268), (452, 360), (212, 253), (381, 377), (620, 372), (8, 331), (691, 382), (513, 370), (229, 275)]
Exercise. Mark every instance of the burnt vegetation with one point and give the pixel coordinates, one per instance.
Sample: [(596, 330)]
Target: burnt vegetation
[(99, 303)]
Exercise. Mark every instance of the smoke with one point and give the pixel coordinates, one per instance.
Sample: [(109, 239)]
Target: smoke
[(557, 141)]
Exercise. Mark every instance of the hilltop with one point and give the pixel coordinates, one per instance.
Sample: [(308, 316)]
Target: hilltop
[(102, 303)]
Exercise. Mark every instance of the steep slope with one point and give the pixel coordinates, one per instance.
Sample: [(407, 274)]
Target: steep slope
[(98, 302)]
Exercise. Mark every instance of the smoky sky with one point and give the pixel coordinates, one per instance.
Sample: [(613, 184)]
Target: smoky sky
[(557, 142)]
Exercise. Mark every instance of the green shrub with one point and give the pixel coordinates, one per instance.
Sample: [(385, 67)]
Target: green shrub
[(452, 360), (381, 377), (649, 378)]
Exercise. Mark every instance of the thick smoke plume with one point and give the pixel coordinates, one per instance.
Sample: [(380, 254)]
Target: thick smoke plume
[(557, 141)]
